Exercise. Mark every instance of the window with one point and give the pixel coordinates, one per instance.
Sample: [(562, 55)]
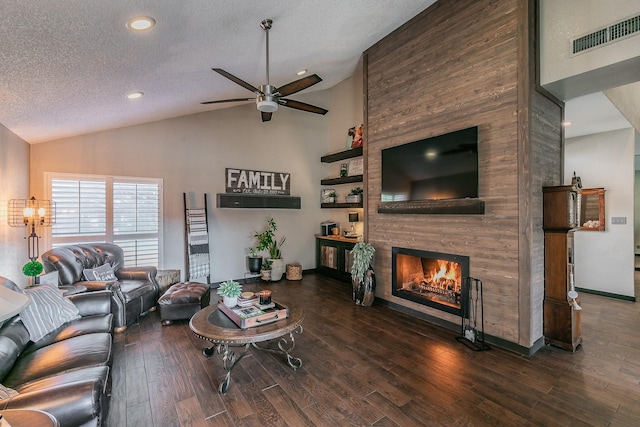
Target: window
[(120, 210)]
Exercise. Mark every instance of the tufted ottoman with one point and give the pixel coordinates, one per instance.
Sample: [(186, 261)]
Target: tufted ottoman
[(183, 300)]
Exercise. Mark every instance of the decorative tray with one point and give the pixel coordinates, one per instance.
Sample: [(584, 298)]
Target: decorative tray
[(252, 316)]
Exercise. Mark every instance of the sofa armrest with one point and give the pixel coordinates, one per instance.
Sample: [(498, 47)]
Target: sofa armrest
[(71, 404), (94, 286), (92, 303), (138, 273)]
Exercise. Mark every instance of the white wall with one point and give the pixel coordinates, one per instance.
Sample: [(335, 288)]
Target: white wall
[(604, 261), (601, 68), (14, 184), (190, 154)]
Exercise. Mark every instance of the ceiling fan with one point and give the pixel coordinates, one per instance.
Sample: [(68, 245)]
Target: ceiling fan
[(268, 97)]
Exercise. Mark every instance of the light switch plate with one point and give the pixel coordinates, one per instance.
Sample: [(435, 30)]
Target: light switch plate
[(621, 220)]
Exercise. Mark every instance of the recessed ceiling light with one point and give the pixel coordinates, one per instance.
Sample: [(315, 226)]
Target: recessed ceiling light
[(135, 95), (141, 23), (301, 72), (566, 123)]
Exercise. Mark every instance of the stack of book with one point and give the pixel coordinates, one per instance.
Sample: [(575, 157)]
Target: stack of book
[(245, 300)]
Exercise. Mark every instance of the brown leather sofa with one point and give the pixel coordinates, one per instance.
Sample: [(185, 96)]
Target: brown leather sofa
[(67, 372), (134, 293)]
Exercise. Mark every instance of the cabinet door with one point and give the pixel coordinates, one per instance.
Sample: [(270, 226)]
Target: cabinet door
[(333, 258)]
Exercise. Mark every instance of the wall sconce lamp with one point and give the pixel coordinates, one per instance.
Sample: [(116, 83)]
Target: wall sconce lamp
[(353, 217), (30, 213)]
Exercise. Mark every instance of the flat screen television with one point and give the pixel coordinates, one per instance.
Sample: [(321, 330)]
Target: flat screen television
[(437, 168)]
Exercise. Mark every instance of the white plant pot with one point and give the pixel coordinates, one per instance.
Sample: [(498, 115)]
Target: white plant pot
[(230, 301), (277, 269)]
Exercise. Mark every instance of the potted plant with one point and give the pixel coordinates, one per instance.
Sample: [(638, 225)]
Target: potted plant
[(267, 241), (230, 291), (331, 196), (254, 261), (265, 271), (363, 277), (355, 195), (32, 269)]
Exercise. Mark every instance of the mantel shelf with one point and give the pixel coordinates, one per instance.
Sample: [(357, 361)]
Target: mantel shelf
[(434, 207)]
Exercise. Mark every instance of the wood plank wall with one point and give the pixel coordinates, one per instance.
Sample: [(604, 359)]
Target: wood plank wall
[(454, 66)]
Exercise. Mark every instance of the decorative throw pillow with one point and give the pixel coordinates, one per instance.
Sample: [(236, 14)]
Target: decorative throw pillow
[(6, 392), (104, 273), (49, 279), (47, 311)]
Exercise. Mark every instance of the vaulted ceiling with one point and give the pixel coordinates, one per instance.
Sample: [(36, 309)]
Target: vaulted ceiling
[(66, 66)]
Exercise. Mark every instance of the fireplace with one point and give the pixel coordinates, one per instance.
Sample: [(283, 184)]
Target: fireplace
[(433, 279)]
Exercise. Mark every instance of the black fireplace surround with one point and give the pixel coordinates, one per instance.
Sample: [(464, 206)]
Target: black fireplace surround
[(408, 267)]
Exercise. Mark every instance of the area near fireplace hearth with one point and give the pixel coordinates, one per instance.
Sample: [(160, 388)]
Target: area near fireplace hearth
[(468, 73)]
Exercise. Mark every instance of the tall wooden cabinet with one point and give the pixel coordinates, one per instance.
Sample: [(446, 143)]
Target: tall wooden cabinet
[(561, 217)]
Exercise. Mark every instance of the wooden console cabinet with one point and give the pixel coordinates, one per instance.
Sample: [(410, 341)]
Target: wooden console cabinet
[(561, 319), (333, 256)]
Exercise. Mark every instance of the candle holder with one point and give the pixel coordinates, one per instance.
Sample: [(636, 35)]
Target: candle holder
[(265, 297)]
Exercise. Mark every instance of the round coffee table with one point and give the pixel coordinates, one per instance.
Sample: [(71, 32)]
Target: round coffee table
[(210, 324)]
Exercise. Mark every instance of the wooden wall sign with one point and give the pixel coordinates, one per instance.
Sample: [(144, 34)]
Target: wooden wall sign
[(247, 181)]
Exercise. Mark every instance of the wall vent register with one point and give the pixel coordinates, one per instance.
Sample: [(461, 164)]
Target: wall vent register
[(612, 33)]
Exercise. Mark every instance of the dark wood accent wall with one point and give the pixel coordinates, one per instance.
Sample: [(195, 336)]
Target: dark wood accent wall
[(458, 64)]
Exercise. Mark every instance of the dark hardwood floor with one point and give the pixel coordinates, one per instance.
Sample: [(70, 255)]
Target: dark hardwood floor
[(372, 366)]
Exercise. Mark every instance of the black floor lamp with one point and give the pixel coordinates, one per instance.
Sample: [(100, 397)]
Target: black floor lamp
[(32, 213)]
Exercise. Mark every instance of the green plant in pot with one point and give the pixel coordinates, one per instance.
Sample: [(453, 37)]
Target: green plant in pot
[(363, 278), (265, 271), (32, 269), (230, 291), (267, 241), (355, 195), (254, 261)]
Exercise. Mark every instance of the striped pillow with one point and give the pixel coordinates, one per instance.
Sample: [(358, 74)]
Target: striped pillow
[(47, 311)]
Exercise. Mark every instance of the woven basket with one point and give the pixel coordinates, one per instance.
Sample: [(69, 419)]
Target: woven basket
[(294, 272)]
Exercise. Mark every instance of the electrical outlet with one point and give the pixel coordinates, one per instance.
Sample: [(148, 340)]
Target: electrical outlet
[(621, 220)]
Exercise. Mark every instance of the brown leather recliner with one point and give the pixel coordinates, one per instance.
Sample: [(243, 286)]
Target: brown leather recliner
[(134, 293)]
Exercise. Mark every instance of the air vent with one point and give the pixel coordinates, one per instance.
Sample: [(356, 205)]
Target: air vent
[(607, 35)]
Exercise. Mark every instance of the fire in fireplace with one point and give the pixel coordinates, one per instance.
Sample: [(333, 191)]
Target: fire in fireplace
[(429, 278)]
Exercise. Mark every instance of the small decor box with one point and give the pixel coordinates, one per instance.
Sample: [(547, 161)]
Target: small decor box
[(249, 317), (357, 198)]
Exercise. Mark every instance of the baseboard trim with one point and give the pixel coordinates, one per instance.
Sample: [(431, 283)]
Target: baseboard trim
[(489, 339), (607, 294)]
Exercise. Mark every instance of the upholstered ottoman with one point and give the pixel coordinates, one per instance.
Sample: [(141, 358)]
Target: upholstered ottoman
[(183, 300)]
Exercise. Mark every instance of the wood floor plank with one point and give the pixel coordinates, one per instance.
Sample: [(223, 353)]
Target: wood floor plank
[(373, 366)]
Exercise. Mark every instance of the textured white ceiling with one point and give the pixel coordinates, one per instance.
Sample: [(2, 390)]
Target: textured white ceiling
[(66, 65)]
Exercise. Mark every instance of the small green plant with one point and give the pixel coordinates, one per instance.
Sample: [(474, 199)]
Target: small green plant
[(332, 194), (356, 191), (230, 288), (267, 240), (362, 255), (266, 264), (32, 268)]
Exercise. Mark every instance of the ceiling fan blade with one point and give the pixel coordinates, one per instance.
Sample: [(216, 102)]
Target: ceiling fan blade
[(236, 80), (301, 106), (266, 116), (228, 100), (298, 85)]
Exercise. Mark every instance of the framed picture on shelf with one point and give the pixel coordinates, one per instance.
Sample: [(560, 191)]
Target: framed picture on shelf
[(355, 137), (356, 167), (328, 196)]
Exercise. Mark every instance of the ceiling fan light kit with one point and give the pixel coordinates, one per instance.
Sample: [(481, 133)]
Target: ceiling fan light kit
[(268, 97)]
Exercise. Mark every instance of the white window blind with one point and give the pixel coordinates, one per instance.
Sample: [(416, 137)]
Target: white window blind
[(124, 211)]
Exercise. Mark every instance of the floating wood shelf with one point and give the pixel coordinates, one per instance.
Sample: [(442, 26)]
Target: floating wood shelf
[(341, 180), (342, 155), (340, 205), (257, 201)]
